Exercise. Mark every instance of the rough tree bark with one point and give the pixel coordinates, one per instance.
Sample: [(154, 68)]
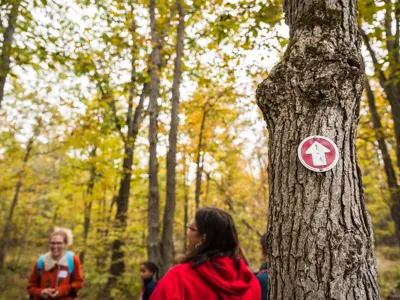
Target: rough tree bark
[(320, 237), (391, 177), (5, 57), (169, 211)]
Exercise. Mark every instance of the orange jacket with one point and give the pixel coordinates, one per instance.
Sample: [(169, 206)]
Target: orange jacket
[(49, 280)]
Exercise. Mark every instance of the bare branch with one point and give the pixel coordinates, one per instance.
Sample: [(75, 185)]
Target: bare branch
[(111, 103), (138, 116), (168, 25), (229, 201), (388, 26), (397, 34), (134, 52), (3, 7), (51, 151), (106, 96), (248, 225), (378, 70)]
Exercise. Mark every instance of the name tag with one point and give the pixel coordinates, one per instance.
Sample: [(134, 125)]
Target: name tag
[(62, 274)]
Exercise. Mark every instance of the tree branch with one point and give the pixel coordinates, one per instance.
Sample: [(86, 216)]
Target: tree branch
[(382, 77), (111, 103), (168, 25), (397, 34), (228, 201), (138, 116), (7, 46), (106, 96), (47, 152), (2, 8), (388, 26), (248, 225), (134, 52)]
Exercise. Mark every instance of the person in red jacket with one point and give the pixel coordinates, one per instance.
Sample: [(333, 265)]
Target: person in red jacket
[(57, 274), (213, 269)]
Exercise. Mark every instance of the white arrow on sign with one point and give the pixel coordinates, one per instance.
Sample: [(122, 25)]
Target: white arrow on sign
[(318, 151)]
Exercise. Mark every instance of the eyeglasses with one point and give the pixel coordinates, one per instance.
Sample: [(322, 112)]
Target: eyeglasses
[(56, 243), (191, 228)]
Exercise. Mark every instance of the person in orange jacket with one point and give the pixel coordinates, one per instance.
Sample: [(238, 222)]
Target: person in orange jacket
[(57, 274)]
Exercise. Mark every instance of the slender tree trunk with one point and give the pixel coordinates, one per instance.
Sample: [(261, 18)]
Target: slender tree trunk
[(169, 211), (7, 228), (23, 241), (88, 206), (199, 155), (207, 188), (117, 250), (6, 50), (101, 233), (118, 254), (153, 244), (387, 161), (320, 237), (186, 203)]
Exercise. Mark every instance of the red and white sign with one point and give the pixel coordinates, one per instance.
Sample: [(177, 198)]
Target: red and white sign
[(318, 153)]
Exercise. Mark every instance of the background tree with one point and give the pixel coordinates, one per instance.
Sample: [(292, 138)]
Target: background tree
[(384, 60), (7, 40)]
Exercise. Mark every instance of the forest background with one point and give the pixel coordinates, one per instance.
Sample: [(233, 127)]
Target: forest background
[(100, 100)]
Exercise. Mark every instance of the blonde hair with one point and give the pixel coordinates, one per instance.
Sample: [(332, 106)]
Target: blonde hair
[(60, 233)]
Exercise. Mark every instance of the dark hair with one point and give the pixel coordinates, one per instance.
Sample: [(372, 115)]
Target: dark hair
[(152, 267), (263, 243), (221, 237), (60, 233)]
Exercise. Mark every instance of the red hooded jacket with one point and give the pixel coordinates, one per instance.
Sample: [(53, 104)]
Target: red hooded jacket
[(210, 281)]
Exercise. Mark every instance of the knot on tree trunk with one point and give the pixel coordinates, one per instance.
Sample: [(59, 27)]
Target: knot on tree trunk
[(316, 72)]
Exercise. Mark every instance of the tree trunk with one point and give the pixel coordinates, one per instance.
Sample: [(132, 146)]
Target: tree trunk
[(102, 257), (7, 46), (88, 206), (153, 245), (117, 257), (117, 252), (186, 203), (199, 166), (169, 211), (320, 237), (7, 228), (387, 161)]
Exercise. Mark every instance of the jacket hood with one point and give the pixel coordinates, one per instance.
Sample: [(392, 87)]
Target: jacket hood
[(224, 279)]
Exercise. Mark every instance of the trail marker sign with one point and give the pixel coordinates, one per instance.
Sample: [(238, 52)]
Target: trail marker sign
[(318, 153)]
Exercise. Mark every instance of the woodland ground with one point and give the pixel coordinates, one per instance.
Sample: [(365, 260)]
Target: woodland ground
[(13, 281)]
